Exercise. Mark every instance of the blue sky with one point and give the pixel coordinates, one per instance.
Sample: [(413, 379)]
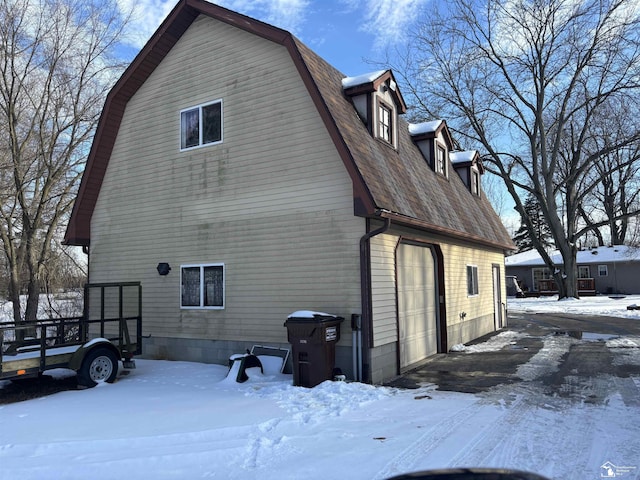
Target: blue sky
[(346, 33)]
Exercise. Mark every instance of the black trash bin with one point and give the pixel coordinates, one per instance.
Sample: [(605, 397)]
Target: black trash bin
[(313, 337)]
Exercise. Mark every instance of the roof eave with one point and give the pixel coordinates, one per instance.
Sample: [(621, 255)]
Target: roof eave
[(438, 229)]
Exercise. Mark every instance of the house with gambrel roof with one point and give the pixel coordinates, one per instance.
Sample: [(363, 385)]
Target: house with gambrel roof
[(241, 178)]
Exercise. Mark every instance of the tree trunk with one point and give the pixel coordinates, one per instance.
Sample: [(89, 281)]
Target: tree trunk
[(568, 275), (33, 299), (14, 297)]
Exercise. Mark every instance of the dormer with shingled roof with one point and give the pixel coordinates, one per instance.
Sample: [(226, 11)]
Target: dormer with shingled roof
[(378, 101), (434, 141), (469, 166)]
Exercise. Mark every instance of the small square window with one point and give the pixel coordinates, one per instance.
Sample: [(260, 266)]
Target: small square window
[(603, 271), (202, 286), (201, 125), (472, 280)]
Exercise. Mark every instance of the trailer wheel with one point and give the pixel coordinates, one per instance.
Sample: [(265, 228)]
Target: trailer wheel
[(99, 366)]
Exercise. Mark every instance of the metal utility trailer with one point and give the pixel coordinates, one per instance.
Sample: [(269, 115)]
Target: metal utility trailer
[(110, 330)]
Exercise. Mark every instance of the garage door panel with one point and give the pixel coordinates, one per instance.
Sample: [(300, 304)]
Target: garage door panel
[(417, 295)]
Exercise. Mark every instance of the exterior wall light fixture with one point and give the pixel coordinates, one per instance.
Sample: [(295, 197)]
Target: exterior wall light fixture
[(163, 268)]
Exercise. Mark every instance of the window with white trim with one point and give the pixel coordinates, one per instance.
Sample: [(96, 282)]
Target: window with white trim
[(202, 286), (441, 160), (201, 125), (472, 280), (385, 123), (475, 185), (603, 271)]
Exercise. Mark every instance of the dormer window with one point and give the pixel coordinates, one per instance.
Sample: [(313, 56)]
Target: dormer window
[(469, 167), (434, 142), (441, 160), (377, 100), (385, 123), (475, 185)]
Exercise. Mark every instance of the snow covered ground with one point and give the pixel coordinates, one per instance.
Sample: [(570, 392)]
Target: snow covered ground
[(179, 420), (599, 305)]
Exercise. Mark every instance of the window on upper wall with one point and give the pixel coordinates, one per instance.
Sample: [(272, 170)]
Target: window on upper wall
[(472, 280), (202, 286), (385, 123), (603, 271), (475, 184), (201, 125), (441, 160)]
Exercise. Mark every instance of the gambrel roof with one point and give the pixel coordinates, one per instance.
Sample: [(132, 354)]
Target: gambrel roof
[(387, 183)]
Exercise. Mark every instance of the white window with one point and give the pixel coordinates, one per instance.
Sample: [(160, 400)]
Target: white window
[(472, 280), (603, 271), (385, 123), (441, 160), (201, 125), (475, 186), (202, 286), (583, 271)]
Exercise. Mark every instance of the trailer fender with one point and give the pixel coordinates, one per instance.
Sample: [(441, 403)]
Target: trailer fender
[(79, 355)]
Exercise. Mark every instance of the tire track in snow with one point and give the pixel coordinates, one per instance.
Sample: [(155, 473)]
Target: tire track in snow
[(493, 444), (527, 426), (493, 438), (526, 431), (432, 438)]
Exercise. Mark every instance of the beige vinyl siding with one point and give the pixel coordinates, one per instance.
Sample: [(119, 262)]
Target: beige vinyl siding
[(456, 256), (273, 201), (383, 289), (479, 308)]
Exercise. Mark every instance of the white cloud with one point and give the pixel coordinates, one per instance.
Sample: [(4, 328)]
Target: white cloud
[(388, 20), (286, 14), (147, 17), (149, 14)]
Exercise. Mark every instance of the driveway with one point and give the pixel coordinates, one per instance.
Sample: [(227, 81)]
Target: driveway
[(576, 356)]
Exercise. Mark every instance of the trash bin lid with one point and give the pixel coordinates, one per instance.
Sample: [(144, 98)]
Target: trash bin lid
[(309, 315)]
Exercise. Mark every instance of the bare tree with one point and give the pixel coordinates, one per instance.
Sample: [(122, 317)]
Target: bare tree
[(524, 80), (56, 67), (616, 175)]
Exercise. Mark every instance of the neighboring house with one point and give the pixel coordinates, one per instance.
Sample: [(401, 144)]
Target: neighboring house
[(240, 178), (601, 270)]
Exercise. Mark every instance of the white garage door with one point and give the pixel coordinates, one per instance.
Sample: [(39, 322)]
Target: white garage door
[(417, 297)]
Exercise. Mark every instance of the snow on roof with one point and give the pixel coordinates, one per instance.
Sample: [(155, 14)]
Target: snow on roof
[(349, 82), (612, 254), (309, 314), (459, 157), (424, 127)]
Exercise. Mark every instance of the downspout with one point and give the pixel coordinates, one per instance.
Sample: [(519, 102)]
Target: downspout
[(86, 251), (363, 372)]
